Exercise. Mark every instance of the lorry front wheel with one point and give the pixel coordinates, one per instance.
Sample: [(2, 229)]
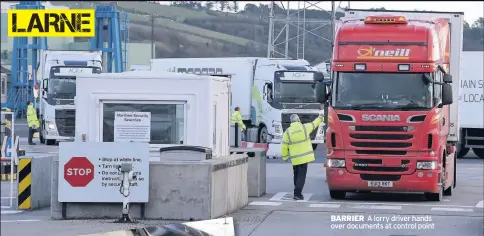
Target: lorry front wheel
[(50, 142), (41, 138), (479, 152), (337, 194), (263, 135)]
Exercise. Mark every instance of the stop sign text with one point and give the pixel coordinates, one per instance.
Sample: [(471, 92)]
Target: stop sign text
[(79, 171)]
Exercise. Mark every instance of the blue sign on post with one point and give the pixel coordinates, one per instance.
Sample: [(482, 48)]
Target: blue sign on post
[(8, 153)]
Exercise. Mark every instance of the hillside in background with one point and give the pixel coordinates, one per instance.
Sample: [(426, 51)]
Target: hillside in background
[(221, 29)]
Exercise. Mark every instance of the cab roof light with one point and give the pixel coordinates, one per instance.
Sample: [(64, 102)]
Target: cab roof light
[(425, 66), (385, 20), (403, 67), (360, 67)]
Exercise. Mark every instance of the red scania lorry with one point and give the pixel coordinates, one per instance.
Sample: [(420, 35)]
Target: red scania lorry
[(392, 103)]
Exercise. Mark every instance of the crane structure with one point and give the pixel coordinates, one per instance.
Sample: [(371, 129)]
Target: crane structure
[(107, 19), (21, 86), (114, 43), (296, 19)]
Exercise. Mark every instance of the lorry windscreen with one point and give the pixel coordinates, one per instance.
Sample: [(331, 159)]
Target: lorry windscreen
[(61, 87), (295, 92), (382, 91)]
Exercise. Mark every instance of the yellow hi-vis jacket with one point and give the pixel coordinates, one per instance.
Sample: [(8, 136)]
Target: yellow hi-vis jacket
[(237, 118), (32, 116), (296, 143)]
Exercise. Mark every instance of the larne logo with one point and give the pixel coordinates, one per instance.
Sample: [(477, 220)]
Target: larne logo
[(369, 52), (51, 23), (366, 117)]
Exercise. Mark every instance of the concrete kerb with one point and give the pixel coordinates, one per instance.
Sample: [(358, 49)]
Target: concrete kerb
[(179, 190), (34, 185), (256, 175)]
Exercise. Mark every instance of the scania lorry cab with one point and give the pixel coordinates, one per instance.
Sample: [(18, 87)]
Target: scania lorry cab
[(393, 103)]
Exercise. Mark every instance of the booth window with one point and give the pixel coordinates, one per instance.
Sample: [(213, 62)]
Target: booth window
[(167, 120)]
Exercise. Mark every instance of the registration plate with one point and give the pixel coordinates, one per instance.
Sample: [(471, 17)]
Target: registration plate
[(383, 184)]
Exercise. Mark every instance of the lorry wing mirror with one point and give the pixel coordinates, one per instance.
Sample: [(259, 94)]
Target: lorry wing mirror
[(321, 95), (318, 77), (447, 78), (45, 84), (447, 94)]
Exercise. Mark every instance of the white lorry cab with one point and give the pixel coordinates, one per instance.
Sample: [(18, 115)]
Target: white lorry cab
[(267, 91), (57, 73)]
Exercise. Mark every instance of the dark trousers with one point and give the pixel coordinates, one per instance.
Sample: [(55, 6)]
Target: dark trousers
[(300, 172), (31, 134)]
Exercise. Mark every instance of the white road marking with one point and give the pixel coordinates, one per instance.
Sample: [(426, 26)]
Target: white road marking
[(325, 205), (451, 209), (8, 197), (388, 204), (6, 207), (257, 203), (7, 212), (474, 168), (480, 204), (285, 197), (15, 221), (445, 200), (471, 166), (377, 207)]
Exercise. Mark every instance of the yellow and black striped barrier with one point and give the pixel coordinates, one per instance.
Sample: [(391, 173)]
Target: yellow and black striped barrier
[(6, 177), (24, 183)]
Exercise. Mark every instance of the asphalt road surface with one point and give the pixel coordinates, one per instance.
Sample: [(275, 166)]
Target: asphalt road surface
[(318, 214)]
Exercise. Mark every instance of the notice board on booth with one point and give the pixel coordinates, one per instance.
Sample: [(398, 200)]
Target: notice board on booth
[(88, 171)]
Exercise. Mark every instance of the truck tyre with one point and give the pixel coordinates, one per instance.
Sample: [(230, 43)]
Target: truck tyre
[(50, 142), (337, 194), (461, 150), (262, 135), (448, 191), (41, 138), (479, 152), (455, 173)]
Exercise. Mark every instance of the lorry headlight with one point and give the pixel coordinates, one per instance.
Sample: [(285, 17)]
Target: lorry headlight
[(278, 129), (51, 126), (319, 133), (426, 165), (335, 163)]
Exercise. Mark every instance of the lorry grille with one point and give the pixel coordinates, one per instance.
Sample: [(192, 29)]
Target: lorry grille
[(375, 165), (305, 118), (365, 140), (65, 120), (381, 128)]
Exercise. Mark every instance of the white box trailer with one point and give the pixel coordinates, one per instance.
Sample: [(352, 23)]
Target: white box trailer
[(166, 108), (456, 22), (267, 91), (471, 103), (57, 75)]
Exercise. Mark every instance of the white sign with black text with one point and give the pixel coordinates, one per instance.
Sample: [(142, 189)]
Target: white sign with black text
[(88, 171), (132, 126)]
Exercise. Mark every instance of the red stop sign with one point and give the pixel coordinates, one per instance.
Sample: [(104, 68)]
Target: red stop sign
[(78, 172)]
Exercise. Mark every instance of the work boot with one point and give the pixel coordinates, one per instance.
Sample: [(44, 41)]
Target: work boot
[(31, 143), (298, 197)]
